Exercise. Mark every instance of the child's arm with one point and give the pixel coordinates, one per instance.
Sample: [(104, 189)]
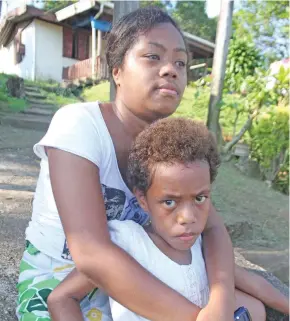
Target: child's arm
[(261, 289), (64, 301)]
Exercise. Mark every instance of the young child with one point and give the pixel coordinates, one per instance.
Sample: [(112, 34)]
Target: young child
[(171, 167)]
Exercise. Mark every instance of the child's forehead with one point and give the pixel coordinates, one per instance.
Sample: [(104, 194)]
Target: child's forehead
[(176, 175)]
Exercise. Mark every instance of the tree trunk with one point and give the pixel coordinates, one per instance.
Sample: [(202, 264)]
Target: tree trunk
[(235, 123), (246, 127), (219, 65), (121, 8)]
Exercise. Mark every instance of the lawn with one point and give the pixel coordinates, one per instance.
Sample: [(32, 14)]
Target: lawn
[(8, 103), (100, 92), (54, 93)]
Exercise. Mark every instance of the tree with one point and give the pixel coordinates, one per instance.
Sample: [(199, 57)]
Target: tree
[(266, 24), (52, 5), (243, 58), (161, 4), (191, 17), (219, 66)]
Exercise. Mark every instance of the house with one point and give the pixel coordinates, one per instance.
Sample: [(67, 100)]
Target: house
[(67, 44)]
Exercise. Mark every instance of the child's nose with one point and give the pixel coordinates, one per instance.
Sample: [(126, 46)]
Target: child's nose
[(187, 215)]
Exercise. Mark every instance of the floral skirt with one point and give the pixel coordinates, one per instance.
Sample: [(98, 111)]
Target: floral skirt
[(39, 275)]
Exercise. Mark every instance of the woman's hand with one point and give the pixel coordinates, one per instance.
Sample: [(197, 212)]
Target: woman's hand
[(219, 259), (219, 308)]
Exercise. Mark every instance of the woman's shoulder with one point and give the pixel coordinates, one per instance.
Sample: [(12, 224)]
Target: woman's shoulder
[(79, 129), (80, 112)]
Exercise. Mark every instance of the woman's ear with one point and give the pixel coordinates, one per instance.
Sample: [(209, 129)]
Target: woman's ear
[(141, 198), (116, 73)]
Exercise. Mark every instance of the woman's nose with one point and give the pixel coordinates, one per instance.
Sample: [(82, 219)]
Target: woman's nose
[(168, 70)]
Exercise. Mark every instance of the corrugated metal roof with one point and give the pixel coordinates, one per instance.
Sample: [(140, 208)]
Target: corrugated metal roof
[(202, 41)]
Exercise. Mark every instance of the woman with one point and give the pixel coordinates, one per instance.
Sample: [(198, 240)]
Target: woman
[(82, 184)]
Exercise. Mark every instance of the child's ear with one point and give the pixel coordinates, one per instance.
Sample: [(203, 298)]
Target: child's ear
[(141, 198)]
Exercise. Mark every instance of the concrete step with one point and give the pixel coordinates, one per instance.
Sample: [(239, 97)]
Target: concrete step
[(49, 107), (26, 121), (275, 261), (31, 88), (38, 111), (32, 101), (34, 95)]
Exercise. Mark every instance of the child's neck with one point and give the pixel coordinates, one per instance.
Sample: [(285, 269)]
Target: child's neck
[(178, 256)]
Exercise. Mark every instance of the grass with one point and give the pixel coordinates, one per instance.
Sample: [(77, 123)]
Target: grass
[(59, 100), (100, 92), (42, 83), (8, 103), (53, 92), (262, 210)]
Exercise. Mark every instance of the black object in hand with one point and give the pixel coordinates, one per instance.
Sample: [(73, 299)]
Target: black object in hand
[(242, 314)]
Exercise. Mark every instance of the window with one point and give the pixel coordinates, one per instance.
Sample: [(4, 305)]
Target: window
[(75, 43)]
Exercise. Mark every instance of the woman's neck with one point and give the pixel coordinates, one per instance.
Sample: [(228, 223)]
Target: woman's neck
[(133, 125)]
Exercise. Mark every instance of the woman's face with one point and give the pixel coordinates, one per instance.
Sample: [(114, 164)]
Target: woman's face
[(153, 77)]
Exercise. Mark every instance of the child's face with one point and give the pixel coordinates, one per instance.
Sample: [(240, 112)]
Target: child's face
[(178, 202)]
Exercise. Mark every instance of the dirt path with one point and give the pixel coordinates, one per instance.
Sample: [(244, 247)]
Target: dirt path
[(18, 175), (255, 215)]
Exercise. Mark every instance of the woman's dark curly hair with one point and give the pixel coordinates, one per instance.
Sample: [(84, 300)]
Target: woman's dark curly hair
[(126, 31), (169, 141)]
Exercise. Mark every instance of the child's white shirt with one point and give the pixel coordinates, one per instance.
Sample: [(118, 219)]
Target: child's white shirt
[(189, 280)]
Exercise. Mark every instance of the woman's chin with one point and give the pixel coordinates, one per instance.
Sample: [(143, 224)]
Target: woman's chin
[(165, 107)]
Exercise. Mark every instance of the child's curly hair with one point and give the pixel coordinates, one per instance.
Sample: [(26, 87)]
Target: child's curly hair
[(168, 141)]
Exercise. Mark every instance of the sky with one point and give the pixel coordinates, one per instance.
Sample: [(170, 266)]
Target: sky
[(213, 8)]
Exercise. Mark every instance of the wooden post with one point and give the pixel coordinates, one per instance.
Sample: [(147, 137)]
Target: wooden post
[(93, 52), (99, 47), (121, 8), (219, 65)]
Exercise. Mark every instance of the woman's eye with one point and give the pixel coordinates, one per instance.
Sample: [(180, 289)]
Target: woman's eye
[(170, 203), (153, 57), (180, 63), (200, 199)]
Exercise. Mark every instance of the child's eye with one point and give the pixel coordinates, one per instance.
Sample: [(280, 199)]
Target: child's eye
[(200, 199), (170, 203)]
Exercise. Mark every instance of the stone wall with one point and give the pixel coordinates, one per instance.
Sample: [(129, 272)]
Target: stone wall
[(272, 315)]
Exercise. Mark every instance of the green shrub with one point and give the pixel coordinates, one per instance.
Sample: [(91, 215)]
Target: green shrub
[(270, 146), (281, 182), (243, 58), (3, 96)]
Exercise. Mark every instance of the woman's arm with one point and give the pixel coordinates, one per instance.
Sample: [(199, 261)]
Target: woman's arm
[(261, 289), (64, 301), (219, 258), (77, 191)]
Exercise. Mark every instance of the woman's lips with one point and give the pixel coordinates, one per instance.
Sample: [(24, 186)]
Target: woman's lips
[(168, 92), (168, 89)]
